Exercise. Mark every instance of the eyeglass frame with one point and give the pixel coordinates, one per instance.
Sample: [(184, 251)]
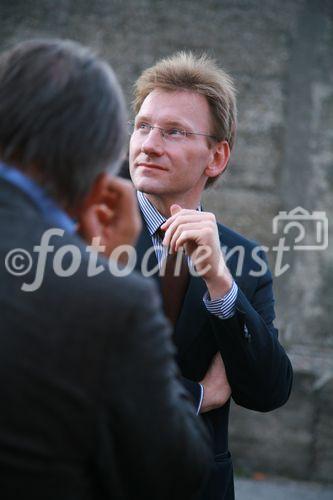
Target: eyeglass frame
[(183, 132)]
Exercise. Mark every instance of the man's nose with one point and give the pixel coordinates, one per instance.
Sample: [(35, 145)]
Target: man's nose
[(153, 143)]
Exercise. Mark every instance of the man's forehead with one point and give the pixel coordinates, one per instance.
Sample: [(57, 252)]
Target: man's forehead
[(179, 106)]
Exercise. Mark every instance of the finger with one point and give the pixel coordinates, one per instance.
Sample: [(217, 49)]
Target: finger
[(174, 209), (183, 222), (186, 218), (93, 220), (173, 233), (198, 227), (187, 236), (88, 224), (208, 216), (181, 213), (104, 213)]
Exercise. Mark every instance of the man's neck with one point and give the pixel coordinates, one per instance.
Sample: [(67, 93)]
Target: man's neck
[(163, 203)]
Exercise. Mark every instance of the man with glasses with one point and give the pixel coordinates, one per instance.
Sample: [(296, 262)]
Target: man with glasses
[(181, 139)]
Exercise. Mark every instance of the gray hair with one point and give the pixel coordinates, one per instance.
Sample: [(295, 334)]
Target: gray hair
[(62, 115)]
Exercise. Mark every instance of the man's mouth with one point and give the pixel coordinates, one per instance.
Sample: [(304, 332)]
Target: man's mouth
[(150, 165)]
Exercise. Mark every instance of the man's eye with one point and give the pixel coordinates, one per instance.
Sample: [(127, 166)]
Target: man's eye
[(175, 132), (142, 126)]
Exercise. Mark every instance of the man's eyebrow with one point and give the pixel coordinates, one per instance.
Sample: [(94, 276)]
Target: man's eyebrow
[(175, 123), (166, 122), (143, 118)]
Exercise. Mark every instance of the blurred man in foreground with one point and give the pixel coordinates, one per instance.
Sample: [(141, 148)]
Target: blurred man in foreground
[(90, 402)]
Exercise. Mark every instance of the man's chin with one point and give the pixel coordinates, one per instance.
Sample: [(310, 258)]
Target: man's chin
[(147, 186)]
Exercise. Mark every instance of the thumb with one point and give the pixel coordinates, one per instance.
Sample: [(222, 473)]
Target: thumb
[(174, 209)]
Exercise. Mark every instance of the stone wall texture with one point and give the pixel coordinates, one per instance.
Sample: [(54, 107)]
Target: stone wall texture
[(280, 54)]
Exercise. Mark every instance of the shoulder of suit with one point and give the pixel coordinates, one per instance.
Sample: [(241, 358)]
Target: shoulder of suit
[(109, 284), (105, 287), (231, 238)]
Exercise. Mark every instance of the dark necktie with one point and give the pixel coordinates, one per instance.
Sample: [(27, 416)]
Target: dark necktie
[(174, 282)]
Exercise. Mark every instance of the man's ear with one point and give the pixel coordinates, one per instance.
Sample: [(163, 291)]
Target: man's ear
[(101, 193), (220, 155), (110, 212), (98, 207)]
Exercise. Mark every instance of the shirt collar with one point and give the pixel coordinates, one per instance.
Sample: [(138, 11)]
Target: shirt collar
[(153, 218), (44, 203)]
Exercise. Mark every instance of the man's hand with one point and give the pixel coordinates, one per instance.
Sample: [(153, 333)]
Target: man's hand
[(217, 390), (110, 212), (197, 233)]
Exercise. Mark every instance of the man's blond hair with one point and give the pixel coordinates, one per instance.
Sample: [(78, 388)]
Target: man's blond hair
[(200, 74)]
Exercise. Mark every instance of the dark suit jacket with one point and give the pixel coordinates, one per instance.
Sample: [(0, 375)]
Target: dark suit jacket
[(91, 406), (257, 367)]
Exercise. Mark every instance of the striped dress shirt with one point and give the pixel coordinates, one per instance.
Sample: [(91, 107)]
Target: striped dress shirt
[(223, 307)]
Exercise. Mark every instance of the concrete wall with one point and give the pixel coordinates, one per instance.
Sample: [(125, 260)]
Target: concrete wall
[(280, 54)]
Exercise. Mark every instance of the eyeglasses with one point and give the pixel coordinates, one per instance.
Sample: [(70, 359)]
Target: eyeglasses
[(169, 134)]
